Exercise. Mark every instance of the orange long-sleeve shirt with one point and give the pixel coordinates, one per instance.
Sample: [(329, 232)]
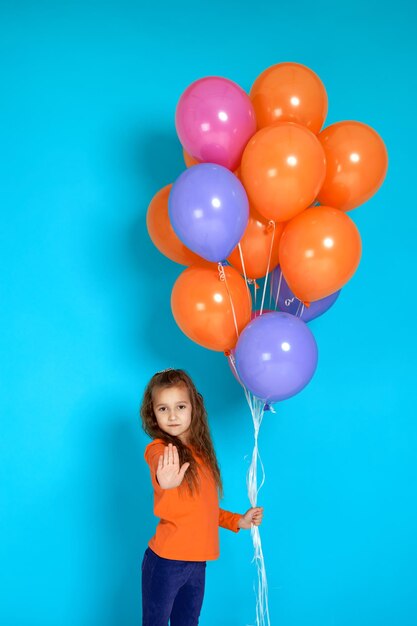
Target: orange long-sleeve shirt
[(188, 529)]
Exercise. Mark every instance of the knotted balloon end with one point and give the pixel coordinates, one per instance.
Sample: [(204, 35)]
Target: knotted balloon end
[(252, 281)]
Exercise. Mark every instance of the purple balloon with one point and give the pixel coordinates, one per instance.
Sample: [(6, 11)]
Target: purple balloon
[(289, 303), (276, 356), (209, 210)]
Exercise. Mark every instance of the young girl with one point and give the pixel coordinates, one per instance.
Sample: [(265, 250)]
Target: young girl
[(186, 481)]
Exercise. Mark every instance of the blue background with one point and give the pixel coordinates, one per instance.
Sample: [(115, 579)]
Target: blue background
[(89, 91)]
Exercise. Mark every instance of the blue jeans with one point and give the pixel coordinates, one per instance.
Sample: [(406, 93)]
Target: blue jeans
[(171, 589)]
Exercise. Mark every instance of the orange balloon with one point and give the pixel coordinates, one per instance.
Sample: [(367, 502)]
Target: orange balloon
[(163, 235), (283, 168), (319, 252), (256, 246), (357, 163), (289, 92), (202, 308), (188, 159)]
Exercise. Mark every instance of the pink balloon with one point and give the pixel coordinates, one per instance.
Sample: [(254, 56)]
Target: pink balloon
[(215, 120)]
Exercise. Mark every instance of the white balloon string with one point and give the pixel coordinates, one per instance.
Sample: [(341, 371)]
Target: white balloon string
[(222, 275), (252, 281), (232, 362), (257, 408), (279, 288), (262, 610), (271, 224), (244, 271), (302, 310), (271, 285)]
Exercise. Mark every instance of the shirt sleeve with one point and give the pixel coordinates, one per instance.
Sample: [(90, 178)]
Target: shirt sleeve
[(229, 520)]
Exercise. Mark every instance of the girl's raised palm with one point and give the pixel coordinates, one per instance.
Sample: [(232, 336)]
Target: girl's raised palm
[(168, 473)]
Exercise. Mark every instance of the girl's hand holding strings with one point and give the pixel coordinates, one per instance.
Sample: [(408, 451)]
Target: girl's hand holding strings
[(168, 473), (252, 516)]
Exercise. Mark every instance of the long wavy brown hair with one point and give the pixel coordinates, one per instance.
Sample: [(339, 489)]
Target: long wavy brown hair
[(199, 434)]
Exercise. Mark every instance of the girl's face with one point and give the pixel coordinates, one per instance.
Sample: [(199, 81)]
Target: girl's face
[(172, 408)]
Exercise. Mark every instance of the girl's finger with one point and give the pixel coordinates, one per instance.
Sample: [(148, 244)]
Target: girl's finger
[(176, 457)]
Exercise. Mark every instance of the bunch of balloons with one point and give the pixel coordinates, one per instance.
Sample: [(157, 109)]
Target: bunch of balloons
[(266, 194)]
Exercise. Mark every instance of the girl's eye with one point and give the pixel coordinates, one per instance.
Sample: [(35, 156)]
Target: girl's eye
[(161, 408), (182, 406)]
